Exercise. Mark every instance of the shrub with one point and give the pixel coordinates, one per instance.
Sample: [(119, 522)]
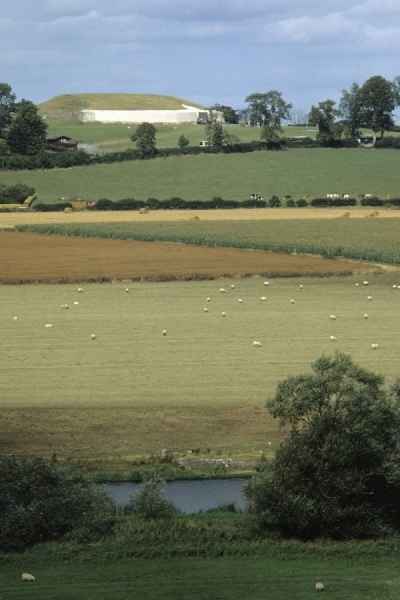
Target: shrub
[(337, 474), (290, 203), (150, 503), (373, 201), (14, 194), (40, 501), (301, 203), (51, 207), (275, 202)]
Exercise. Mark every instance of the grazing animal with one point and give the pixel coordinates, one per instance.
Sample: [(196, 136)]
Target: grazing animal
[(374, 346), (365, 282), (15, 318), (164, 332), (223, 314), (80, 290), (222, 290), (332, 317), (208, 299), (127, 290), (232, 286), (93, 336), (240, 300), (369, 298), (292, 301), (266, 282), (257, 344), (357, 284), (76, 302), (333, 338), (49, 325), (263, 298), (27, 577), (365, 315), (205, 309), (319, 586)]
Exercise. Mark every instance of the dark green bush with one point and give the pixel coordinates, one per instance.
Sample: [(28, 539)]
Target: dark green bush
[(373, 201), (40, 501), (301, 203), (15, 194), (275, 202), (290, 203), (150, 502), (51, 207)]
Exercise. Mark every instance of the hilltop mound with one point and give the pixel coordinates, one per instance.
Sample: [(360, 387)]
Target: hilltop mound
[(68, 106)]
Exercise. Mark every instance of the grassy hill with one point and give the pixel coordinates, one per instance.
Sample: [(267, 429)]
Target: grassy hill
[(68, 106)]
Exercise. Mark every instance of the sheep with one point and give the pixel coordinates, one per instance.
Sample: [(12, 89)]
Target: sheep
[(15, 318), (49, 325), (263, 298), (319, 586), (365, 282), (93, 336), (126, 290), (80, 290), (205, 309), (208, 299), (222, 290), (332, 317), (374, 346), (164, 332), (65, 306), (266, 283), (76, 302), (223, 314), (301, 286), (257, 344), (232, 286), (333, 338), (357, 284), (27, 577), (292, 301), (369, 297), (365, 315), (240, 300)]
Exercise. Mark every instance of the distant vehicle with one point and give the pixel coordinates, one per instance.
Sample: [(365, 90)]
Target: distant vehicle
[(204, 143)]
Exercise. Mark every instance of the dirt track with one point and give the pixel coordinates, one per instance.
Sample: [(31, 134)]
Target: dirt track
[(28, 257), (19, 218)]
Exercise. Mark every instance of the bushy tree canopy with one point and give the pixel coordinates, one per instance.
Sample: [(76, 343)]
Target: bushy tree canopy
[(337, 473), (27, 134), (145, 138), (7, 106), (268, 109), (324, 117), (215, 135), (378, 99)]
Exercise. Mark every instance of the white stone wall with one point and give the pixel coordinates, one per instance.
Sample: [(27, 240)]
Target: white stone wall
[(186, 115)]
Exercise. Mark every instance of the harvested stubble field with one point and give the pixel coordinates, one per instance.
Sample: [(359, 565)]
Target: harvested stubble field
[(303, 172), (132, 391), (362, 239), (31, 258)]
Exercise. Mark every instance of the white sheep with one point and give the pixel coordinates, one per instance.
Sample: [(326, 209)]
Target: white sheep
[(222, 290), (266, 283), (232, 286), (365, 282), (205, 309), (257, 344), (164, 332), (332, 317), (240, 300), (263, 298), (76, 302), (80, 290), (301, 286), (28, 577), (208, 299), (357, 284), (223, 314), (15, 318), (394, 286), (319, 586), (374, 346), (49, 325), (369, 297), (93, 336), (333, 338), (126, 290), (292, 301)]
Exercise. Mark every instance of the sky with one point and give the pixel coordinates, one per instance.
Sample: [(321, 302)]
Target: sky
[(203, 50)]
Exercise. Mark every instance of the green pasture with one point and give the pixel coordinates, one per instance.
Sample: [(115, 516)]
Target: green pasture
[(298, 173), (366, 239), (255, 578), (116, 137)]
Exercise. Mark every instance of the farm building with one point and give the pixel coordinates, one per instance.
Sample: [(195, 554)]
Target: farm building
[(126, 108), (61, 143)]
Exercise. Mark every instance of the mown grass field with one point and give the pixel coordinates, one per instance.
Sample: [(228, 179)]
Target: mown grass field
[(224, 578), (133, 391), (299, 173), (371, 239)]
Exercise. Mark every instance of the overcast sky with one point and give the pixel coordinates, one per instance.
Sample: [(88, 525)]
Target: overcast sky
[(204, 50)]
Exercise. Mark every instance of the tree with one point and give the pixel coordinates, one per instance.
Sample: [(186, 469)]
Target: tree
[(27, 133), (229, 113), (337, 473), (268, 109), (324, 117), (7, 106), (183, 142), (214, 133), (41, 501), (350, 110), (378, 99), (396, 88), (150, 502), (145, 138)]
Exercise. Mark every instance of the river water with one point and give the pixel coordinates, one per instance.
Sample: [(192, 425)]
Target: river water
[(188, 496)]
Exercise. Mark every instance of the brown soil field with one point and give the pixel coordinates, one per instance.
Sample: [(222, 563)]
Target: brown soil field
[(21, 218), (33, 258)]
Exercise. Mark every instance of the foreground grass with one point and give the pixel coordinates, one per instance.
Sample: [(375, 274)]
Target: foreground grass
[(295, 172), (367, 239), (132, 392)]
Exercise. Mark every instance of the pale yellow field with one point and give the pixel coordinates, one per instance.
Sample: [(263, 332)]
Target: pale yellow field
[(20, 218)]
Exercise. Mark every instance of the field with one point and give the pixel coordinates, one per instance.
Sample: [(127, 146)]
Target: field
[(64, 259), (203, 385), (374, 239), (116, 137), (296, 172), (252, 578)]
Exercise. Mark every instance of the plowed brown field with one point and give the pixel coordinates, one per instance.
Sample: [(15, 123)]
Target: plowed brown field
[(28, 258)]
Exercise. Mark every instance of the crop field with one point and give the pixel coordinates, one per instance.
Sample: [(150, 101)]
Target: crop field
[(253, 578), (132, 391), (372, 239), (64, 259), (298, 173)]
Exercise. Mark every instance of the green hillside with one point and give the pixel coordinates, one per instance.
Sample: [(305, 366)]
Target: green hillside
[(68, 106)]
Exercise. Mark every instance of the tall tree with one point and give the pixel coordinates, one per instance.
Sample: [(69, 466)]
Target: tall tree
[(324, 117), (350, 110), (7, 106), (27, 134), (215, 135), (145, 138), (268, 109), (378, 99)]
